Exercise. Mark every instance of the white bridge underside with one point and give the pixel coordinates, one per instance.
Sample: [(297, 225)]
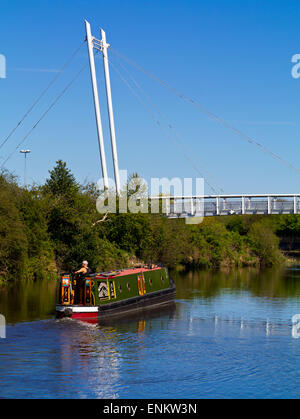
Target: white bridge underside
[(215, 205)]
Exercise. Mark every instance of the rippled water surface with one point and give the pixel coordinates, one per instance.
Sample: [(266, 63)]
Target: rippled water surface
[(229, 334)]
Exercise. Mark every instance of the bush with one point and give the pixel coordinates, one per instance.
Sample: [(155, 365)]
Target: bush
[(265, 244)]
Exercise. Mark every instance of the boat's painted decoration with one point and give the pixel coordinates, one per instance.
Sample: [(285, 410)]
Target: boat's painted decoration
[(116, 286)]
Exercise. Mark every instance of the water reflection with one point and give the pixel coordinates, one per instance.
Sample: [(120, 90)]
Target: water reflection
[(237, 328), (27, 300), (229, 334), (278, 282), (83, 347)]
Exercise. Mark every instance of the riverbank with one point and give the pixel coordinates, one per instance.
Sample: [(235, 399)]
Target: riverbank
[(51, 228)]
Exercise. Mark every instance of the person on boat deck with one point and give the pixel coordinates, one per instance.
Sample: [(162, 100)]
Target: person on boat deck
[(84, 270)]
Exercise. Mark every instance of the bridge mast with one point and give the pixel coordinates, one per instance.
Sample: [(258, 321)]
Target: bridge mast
[(90, 42), (104, 47)]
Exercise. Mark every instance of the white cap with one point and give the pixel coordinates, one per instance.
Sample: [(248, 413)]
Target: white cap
[(85, 262)]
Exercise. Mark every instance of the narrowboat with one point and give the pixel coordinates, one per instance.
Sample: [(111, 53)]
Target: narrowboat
[(115, 293)]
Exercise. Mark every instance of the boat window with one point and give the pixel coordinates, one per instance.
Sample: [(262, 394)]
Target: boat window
[(103, 290), (162, 279), (128, 286), (120, 288), (150, 282), (112, 289)]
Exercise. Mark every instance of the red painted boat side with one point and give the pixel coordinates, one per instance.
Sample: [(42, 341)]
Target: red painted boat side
[(84, 316)]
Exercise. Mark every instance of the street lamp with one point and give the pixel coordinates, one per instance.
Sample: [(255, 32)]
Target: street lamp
[(25, 152)]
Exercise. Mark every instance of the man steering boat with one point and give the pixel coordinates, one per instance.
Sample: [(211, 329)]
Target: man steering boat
[(82, 272)]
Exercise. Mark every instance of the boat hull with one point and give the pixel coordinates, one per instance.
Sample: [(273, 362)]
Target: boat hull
[(150, 301)]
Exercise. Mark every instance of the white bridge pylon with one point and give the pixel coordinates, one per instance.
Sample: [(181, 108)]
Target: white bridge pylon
[(101, 45)]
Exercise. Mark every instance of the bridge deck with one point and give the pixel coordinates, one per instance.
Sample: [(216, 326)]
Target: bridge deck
[(218, 205)]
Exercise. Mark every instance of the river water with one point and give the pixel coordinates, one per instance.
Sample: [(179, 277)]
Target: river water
[(228, 335)]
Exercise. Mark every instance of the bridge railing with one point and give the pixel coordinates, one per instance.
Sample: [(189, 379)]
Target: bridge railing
[(217, 205)]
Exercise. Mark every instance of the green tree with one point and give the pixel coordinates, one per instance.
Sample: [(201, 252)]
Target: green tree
[(13, 240), (168, 241), (61, 181), (264, 243), (130, 232), (40, 263)]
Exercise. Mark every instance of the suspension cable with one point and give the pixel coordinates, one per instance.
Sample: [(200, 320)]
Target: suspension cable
[(170, 126), (159, 124), (45, 113), (42, 94), (207, 112)]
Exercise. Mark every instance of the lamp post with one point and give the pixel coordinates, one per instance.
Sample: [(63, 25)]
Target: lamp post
[(25, 152)]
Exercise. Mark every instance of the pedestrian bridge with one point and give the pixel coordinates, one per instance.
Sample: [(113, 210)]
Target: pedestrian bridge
[(217, 205)]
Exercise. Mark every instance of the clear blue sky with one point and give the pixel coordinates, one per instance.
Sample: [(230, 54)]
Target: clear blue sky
[(233, 57)]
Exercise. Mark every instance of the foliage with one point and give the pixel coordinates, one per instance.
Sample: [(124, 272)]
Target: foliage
[(216, 245), (61, 182), (53, 227), (13, 240), (168, 241), (264, 243)]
